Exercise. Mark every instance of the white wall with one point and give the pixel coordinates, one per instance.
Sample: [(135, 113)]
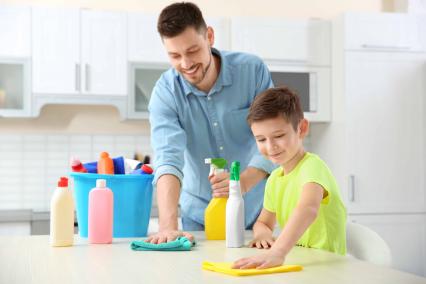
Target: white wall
[(105, 120)]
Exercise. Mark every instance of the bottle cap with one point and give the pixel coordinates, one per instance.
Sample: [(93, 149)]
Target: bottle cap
[(104, 155), (147, 169), (75, 163), (100, 183), (63, 182)]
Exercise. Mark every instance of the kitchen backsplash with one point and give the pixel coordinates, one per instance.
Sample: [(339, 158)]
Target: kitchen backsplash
[(30, 165)]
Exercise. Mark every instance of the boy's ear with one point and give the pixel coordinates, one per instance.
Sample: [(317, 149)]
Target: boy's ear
[(304, 128)]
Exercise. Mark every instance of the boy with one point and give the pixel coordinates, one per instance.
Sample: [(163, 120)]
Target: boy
[(302, 194)]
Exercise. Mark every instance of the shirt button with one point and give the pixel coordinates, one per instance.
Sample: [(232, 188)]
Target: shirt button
[(208, 97), (215, 124), (221, 148)]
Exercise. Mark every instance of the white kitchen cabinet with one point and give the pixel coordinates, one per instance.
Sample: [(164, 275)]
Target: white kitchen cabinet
[(144, 42), (56, 51), (375, 144), (15, 52), (104, 52), (15, 31), (79, 52), (15, 96), (385, 130), (404, 234), (287, 41), (142, 79), (382, 31)]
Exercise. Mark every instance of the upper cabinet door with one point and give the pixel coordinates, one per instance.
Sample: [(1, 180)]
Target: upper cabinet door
[(56, 51), (15, 31), (382, 31), (104, 52), (385, 132), (298, 41), (144, 42)]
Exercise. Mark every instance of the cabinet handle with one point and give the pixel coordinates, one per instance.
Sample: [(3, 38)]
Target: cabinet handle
[(390, 47), (77, 77), (87, 77), (352, 188)]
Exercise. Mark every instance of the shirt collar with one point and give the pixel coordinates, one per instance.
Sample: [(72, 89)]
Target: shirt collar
[(224, 78)]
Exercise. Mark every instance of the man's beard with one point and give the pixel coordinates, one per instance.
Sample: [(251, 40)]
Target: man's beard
[(205, 70)]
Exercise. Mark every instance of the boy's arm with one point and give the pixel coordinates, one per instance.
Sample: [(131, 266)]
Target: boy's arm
[(263, 229), (248, 179), (302, 217)]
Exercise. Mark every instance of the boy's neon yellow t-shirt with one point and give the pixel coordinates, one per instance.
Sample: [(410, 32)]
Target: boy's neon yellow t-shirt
[(282, 193)]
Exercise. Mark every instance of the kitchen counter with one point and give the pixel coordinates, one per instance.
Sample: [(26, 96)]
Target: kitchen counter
[(30, 259)]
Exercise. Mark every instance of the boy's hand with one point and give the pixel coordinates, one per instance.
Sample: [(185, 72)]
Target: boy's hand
[(220, 184), (262, 261), (262, 242)]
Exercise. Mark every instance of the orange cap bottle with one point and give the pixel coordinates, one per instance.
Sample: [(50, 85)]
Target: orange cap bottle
[(105, 164)]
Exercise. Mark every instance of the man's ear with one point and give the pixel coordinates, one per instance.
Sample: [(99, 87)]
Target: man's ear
[(304, 128), (210, 36)]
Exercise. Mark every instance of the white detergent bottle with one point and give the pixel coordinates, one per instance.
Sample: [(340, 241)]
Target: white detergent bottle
[(235, 210), (62, 216)]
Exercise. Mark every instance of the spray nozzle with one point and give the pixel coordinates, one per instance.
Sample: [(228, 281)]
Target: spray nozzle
[(217, 165), (235, 170)]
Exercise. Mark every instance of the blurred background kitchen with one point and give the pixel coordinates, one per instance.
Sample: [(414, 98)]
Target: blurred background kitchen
[(76, 76)]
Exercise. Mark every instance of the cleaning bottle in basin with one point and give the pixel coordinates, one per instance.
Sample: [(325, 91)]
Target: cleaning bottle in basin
[(105, 164), (77, 166), (101, 213), (215, 213), (62, 216), (235, 210)]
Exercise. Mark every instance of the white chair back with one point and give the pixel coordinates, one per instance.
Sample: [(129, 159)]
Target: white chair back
[(365, 244)]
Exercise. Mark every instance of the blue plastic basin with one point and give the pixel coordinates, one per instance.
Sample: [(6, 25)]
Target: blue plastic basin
[(132, 202)]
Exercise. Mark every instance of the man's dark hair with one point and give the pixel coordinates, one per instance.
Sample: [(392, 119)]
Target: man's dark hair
[(274, 102), (175, 18)]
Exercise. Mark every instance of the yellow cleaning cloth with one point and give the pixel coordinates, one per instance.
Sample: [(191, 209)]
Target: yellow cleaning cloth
[(225, 267)]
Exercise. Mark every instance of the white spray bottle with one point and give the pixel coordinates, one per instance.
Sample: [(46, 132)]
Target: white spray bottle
[(235, 210)]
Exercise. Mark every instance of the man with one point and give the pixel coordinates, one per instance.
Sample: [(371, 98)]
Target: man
[(198, 110)]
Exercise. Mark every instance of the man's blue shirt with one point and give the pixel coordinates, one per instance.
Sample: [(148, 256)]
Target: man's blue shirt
[(189, 125)]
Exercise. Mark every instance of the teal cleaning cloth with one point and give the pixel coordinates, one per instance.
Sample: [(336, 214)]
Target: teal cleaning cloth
[(180, 244)]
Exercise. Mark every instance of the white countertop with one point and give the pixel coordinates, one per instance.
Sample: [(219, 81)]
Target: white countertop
[(30, 259)]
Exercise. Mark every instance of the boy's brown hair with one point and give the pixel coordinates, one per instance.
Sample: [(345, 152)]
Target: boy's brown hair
[(274, 102), (175, 18)]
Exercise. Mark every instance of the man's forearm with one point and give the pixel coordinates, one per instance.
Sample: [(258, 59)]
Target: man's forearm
[(168, 191), (250, 177)]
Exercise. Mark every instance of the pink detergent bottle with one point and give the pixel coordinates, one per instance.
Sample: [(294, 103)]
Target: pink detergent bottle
[(101, 212)]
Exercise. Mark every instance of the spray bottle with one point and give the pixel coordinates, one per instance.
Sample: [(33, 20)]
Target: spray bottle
[(62, 216), (215, 213), (235, 210)]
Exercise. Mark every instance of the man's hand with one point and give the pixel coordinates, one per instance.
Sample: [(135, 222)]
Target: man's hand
[(220, 184), (168, 236)]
